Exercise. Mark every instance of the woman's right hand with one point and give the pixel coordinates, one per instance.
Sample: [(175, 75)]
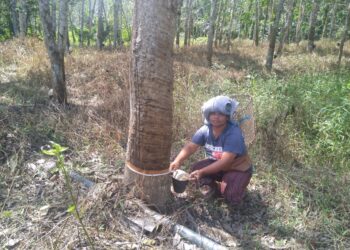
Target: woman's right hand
[(174, 165)]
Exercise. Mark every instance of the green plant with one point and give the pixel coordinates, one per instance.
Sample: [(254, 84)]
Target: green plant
[(57, 150)]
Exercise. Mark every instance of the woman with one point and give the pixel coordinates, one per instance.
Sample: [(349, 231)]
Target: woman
[(227, 168)]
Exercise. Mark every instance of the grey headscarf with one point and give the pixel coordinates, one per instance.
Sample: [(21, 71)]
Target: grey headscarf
[(222, 104)]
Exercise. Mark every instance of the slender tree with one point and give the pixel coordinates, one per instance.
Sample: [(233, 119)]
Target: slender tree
[(334, 14), (81, 38), (345, 34), (256, 23), (213, 13), (273, 34), (55, 47), (151, 100), (285, 31), (14, 17), (312, 26), (100, 28), (187, 23), (23, 18), (299, 22), (117, 41), (178, 24), (325, 20), (230, 29)]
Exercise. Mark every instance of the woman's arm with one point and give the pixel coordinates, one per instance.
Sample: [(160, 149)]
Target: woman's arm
[(226, 160), (185, 152)]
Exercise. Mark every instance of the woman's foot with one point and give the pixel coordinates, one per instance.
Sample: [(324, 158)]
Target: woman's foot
[(207, 191)]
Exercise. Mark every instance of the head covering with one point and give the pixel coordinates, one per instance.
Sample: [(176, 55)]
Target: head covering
[(222, 104)]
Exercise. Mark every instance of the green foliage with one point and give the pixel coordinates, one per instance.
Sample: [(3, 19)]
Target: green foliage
[(319, 105)]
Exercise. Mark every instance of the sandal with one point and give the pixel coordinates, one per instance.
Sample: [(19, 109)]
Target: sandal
[(207, 191)]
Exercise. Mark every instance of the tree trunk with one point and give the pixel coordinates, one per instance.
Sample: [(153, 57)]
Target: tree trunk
[(334, 14), (312, 23), (273, 34), (116, 24), (151, 101), (229, 33), (14, 17), (264, 31), (81, 38), (91, 18), (213, 13), (55, 48), (285, 31), (23, 18), (257, 23), (325, 21), (178, 25), (345, 35), (187, 22), (53, 14), (100, 30), (299, 23)]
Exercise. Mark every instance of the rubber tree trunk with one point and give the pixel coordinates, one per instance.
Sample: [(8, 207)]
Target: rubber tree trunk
[(213, 13), (345, 35), (230, 29), (81, 38), (325, 21), (116, 24), (151, 101), (334, 14), (257, 23), (100, 29), (23, 18), (285, 31), (264, 30), (55, 47), (300, 22), (312, 26), (178, 24), (14, 17), (54, 16), (187, 23), (273, 35)]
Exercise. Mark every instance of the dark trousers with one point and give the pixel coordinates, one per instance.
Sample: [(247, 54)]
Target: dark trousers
[(231, 184)]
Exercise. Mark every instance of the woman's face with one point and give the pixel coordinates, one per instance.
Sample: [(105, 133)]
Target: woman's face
[(218, 119)]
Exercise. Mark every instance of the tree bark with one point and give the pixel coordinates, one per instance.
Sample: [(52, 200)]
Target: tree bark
[(187, 23), (312, 26), (91, 18), (55, 48), (334, 14), (100, 30), (178, 24), (272, 35), (285, 31), (213, 12), (14, 17), (345, 35), (229, 33), (116, 24), (23, 18), (81, 38), (257, 23), (54, 19), (151, 101), (325, 21), (300, 22)]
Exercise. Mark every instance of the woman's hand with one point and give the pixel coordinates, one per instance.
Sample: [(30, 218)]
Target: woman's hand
[(196, 175), (174, 165)]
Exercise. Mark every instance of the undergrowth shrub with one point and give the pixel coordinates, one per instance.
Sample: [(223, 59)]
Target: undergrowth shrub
[(318, 106)]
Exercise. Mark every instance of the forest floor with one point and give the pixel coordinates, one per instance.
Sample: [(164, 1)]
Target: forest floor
[(35, 200)]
